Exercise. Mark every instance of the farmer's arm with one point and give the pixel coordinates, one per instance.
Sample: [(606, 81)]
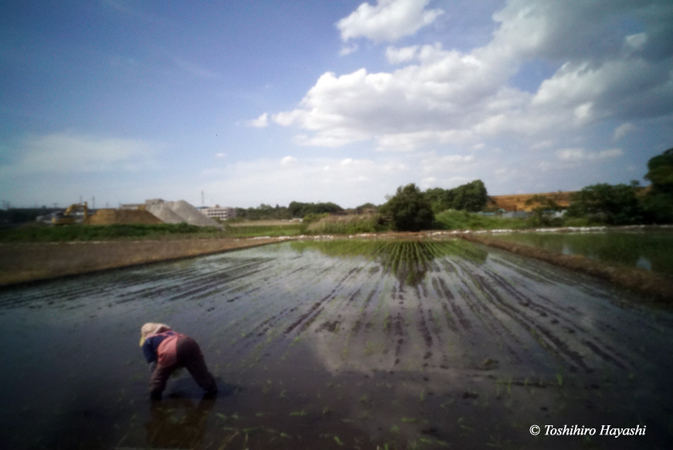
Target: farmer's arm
[(150, 352)]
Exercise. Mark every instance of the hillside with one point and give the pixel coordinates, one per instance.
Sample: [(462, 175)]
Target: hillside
[(517, 202)]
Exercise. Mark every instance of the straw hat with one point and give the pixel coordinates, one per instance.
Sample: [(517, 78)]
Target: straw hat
[(151, 328)]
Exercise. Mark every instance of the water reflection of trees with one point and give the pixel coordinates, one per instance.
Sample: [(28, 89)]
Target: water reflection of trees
[(621, 248), (408, 260)]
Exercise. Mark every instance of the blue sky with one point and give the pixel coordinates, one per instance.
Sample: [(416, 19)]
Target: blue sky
[(343, 101)]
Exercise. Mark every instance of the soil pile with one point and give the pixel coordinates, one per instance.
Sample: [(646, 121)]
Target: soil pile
[(121, 216), (517, 202), (181, 211), (165, 213)]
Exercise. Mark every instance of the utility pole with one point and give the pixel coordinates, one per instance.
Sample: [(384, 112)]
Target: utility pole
[(93, 202), (203, 203)]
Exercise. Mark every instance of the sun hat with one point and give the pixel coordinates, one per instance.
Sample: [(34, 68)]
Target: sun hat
[(152, 328)]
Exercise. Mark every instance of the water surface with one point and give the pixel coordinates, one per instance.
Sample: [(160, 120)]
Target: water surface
[(356, 344), (645, 249)]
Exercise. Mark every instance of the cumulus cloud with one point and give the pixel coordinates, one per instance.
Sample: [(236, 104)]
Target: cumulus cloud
[(72, 153), (341, 180), (288, 161), (388, 20), (444, 163), (579, 154), (401, 55), (348, 49), (260, 122), (623, 130), (442, 96)]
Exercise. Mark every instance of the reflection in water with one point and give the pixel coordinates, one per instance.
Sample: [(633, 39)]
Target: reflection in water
[(177, 423), (334, 349), (408, 260), (647, 250), (644, 263)]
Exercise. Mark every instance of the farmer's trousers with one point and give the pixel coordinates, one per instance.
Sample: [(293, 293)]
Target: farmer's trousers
[(188, 355)]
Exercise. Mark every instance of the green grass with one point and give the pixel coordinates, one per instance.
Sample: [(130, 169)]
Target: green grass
[(265, 230), (463, 220), (345, 225), (79, 232)]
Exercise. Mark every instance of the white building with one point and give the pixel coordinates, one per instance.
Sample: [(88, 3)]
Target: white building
[(218, 212)]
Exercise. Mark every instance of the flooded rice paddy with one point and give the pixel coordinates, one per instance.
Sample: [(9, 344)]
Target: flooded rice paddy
[(649, 250), (338, 344)]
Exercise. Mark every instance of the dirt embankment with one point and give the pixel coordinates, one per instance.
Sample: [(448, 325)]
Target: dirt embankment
[(21, 263), (632, 278), (517, 202), (121, 216)]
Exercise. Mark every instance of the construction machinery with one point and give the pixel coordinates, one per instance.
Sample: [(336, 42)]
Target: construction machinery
[(68, 217)]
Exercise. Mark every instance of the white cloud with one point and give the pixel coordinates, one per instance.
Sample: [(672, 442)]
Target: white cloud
[(389, 20), (571, 154), (338, 180), (288, 161), (635, 42), (74, 153), (444, 163), (260, 122), (623, 130), (396, 55), (441, 96), (348, 49), (610, 153), (579, 154)]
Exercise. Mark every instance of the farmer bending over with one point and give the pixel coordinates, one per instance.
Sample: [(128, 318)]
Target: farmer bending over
[(165, 351)]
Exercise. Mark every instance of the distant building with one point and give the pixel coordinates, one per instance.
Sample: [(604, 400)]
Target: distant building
[(218, 212)]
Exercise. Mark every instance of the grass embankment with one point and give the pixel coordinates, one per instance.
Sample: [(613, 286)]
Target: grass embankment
[(36, 252), (80, 232), (448, 220), (463, 220), (251, 229), (366, 223)]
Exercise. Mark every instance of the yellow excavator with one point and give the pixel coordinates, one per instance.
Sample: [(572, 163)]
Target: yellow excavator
[(67, 217)]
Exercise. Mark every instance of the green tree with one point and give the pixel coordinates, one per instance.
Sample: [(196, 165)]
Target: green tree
[(605, 203), (298, 209), (543, 211), (658, 202), (408, 209), (471, 197), (364, 207)]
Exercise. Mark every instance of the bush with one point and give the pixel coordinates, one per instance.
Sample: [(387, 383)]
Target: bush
[(658, 202), (463, 220), (470, 197), (609, 204), (408, 210)]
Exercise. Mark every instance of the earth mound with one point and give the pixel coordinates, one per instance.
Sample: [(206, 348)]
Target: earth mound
[(121, 216)]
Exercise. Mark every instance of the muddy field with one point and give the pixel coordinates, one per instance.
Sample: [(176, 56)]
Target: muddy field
[(339, 344)]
